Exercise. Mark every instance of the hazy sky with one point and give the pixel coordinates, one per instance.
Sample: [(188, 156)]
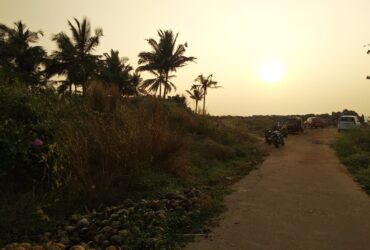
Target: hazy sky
[(319, 43)]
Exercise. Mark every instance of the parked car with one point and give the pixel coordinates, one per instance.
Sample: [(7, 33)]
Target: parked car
[(347, 122), (315, 122), (295, 125)]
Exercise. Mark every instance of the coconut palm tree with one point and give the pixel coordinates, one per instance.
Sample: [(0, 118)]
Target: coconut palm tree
[(74, 57), (205, 84), (164, 58), (115, 70), (134, 86), (18, 59), (154, 84), (196, 93)]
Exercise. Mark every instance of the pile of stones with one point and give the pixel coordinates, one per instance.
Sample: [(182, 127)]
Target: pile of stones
[(118, 227)]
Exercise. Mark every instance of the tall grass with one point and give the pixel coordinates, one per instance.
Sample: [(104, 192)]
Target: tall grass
[(353, 149), (103, 148)]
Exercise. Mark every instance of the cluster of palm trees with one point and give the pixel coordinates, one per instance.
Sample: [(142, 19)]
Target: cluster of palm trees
[(23, 61), (198, 91)]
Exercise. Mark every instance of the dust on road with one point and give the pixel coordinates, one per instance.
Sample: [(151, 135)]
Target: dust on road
[(300, 198)]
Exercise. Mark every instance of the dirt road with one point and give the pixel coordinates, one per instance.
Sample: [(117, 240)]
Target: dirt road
[(300, 198)]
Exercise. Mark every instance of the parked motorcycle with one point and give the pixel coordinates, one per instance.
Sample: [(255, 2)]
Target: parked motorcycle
[(274, 137)]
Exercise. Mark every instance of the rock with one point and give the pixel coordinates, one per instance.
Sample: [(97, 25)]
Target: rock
[(75, 218), (19, 248), (75, 238), (116, 239), (112, 248), (106, 230), (84, 230), (114, 216), (116, 224), (70, 229), (83, 222), (65, 241), (26, 246), (55, 246), (38, 247), (105, 222), (136, 229), (123, 211), (77, 247), (123, 233), (62, 234), (106, 243), (99, 238)]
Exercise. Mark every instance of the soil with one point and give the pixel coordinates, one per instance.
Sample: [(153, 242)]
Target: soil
[(301, 197)]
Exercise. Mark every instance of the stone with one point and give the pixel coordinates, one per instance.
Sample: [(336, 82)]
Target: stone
[(116, 239), (99, 238), (116, 224), (83, 222), (106, 230), (123, 233), (106, 243), (70, 229), (77, 247)]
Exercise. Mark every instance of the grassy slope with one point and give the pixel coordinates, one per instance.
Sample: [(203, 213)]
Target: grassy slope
[(353, 149), (100, 151)]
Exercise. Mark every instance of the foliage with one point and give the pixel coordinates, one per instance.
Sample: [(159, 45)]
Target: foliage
[(103, 148), (196, 93), (164, 58), (205, 84), (74, 56), (353, 149), (19, 61), (115, 70)]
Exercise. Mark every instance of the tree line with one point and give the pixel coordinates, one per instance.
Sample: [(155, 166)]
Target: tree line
[(21, 60)]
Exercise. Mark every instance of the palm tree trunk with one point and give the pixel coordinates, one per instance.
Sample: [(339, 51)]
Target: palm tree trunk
[(160, 90), (196, 106), (165, 87), (70, 89), (204, 102)]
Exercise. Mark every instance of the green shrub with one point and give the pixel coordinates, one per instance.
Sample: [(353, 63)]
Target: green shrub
[(353, 149)]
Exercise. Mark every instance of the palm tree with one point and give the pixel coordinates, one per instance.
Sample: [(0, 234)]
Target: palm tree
[(134, 86), (74, 56), (155, 84), (115, 70), (164, 58), (196, 93), (206, 83), (19, 60)]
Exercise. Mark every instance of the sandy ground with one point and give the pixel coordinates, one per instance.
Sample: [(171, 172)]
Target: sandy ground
[(300, 198)]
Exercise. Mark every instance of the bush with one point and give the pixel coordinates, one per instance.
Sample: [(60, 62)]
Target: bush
[(353, 149), (61, 156)]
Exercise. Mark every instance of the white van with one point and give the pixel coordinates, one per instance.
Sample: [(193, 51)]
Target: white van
[(347, 122)]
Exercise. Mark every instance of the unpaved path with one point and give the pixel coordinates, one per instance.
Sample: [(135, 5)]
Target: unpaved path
[(300, 198)]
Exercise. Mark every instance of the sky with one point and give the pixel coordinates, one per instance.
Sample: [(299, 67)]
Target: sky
[(316, 45)]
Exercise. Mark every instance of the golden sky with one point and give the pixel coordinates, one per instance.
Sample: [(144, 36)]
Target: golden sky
[(319, 44)]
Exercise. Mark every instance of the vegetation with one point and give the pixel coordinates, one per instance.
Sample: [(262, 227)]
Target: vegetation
[(19, 60), (205, 84), (74, 56), (196, 93), (353, 149), (63, 155), (164, 58), (94, 151)]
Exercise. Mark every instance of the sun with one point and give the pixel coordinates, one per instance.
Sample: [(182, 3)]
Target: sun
[(271, 71)]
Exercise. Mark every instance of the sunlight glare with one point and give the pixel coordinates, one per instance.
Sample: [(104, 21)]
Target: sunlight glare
[(271, 71)]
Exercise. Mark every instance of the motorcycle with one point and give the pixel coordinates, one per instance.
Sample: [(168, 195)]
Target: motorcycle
[(274, 137)]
